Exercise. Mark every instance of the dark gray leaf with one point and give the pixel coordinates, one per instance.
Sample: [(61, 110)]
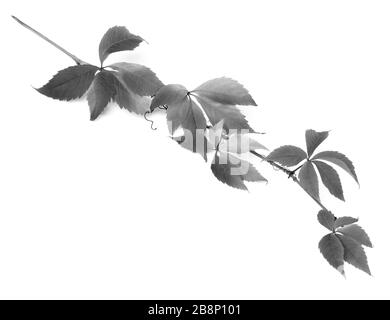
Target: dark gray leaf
[(354, 253), (70, 83), (288, 156), (100, 93), (338, 159), (327, 219), (357, 233), (344, 221), (331, 179), (139, 79), (225, 91), (309, 180), (233, 119), (333, 251), (117, 39), (314, 139)]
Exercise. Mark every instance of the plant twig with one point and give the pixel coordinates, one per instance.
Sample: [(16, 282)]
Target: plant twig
[(290, 174), (76, 59)]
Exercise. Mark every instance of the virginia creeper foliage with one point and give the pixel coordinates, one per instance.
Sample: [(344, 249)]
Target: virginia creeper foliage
[(206, 121)]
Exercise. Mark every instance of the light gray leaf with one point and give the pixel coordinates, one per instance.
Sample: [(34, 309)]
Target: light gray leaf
[(344, 221), (168, 95), (309, 180), (314, 139), (70, 83), (338, 159), (357, 233), (100, 93), (288, 156), (234, 171), (354, 253), (232, 117), (139, 79), (327, 219), (333, 251), (117, 39), (225, 91), (239, 143), (215, 135), (187, 115), (127, 99), (331, 179), (222, 170)]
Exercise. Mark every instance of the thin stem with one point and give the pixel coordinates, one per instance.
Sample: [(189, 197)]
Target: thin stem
[(290, 174), (76, 59)]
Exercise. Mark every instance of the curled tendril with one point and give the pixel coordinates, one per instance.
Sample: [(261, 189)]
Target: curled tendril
[(151, 121), (165, 107)]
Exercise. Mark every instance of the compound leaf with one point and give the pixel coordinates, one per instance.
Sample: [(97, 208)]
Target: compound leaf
[(225, 91), (331, 179), (327, 219), (288, 156), (309, 180), (354, 253), (357, 233), (338, 159), (333, 251), (139, 79), (70, 83), (314, 139), (117, 39)]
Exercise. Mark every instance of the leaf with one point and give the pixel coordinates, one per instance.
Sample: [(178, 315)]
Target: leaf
[(125, 98), (234, 171), (333, 251), (327, 219), (357, 233), (288, 156), (232, 117), (338, 159), (70, 83), (117, 39), (354, 253), (331, 179), (309, 180), (139, 79), (225, 91), (239, 143), (100, 93), (169, 94), (344, 221), (314, 139)]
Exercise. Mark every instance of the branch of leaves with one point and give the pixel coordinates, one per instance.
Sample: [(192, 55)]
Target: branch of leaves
[(291, 156), (211, 122), (128, 84), (344, 243)]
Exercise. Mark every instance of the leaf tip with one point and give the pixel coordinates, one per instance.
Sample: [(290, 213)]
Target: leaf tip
[(341, 270)]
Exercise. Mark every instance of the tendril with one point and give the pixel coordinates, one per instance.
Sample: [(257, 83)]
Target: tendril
[(151, 121)]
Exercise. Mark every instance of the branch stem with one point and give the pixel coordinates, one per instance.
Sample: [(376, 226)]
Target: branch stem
[(72, 56), (290, 174)]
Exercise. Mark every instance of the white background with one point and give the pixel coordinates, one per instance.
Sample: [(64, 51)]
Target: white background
[(112, 209)]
